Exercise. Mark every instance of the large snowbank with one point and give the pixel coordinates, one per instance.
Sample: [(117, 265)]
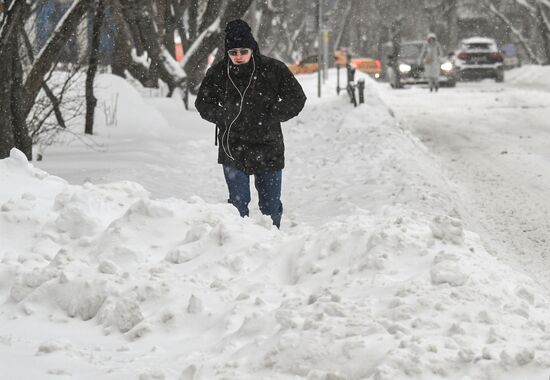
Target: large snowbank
[(381, 282), (533, 76), (123, 111)]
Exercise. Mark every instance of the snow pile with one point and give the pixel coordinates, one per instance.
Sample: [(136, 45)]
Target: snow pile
[(372, 276), (121, 109), (396, 295), (532, 76)]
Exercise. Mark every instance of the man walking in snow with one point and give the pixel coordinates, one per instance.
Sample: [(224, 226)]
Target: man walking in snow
[(430, 56), (248, 95)]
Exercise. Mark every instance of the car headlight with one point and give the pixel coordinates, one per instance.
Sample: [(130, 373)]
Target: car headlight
[(404, 68), (447, 66)]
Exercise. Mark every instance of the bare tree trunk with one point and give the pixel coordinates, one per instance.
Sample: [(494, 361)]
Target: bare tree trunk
[(168, 16), (6, 123), (120, 54), (161, 61), (22, 139), (13, 126), (544, 33), (193, 18), (129, 16), (121, 41), (452, 24), (181, 7), (10, 22), (91, 100), (17, 98), (214, 8), (125, 40)]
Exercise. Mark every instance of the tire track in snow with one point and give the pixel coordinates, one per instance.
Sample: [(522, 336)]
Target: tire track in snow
[(497, 159)]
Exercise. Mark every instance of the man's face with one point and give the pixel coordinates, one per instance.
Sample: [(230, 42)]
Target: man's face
[(240, 56)]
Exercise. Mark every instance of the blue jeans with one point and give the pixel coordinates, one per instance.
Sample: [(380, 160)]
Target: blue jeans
[(268, 185)]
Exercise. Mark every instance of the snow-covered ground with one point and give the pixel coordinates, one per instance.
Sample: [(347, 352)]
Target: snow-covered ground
[(136, 268), (492, 139)]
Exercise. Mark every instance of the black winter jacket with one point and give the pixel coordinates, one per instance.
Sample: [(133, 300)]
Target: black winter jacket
[(250, 139)]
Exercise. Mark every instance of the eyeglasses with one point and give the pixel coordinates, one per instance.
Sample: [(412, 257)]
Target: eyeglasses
[(235, 52)]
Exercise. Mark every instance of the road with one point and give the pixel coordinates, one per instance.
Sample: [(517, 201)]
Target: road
[(493, 142)]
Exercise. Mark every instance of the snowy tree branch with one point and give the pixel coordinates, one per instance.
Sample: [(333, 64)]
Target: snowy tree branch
[(52, 49), (522, 40)]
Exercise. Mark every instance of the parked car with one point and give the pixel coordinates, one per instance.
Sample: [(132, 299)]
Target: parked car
[(367, 65), (479, 58), (411, 71), (307, 65)]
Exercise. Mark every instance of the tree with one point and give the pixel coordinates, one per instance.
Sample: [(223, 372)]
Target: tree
[(543, 21), (142, 22), (13, 127), (91, 100), (527, 45), (144, 31), (148, 27), (38, 120), (126, 42), (50, 53)]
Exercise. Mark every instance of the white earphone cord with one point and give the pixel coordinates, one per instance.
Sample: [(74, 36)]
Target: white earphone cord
[(228, 130)]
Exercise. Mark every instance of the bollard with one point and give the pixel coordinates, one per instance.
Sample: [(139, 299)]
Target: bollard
[(351, 93), (361, 90), (338, 79), (351, 73), (351, 85)]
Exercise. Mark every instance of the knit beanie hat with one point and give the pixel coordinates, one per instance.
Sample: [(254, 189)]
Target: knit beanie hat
[(239, 35)]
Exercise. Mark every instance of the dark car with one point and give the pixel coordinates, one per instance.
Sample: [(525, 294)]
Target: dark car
[(411, 71), (479, 58)]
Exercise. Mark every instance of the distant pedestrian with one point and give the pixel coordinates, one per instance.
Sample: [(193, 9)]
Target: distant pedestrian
[(248, 95), (430, 59)]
